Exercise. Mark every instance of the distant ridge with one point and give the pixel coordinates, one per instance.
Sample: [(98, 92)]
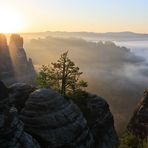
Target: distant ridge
[(119, 36)]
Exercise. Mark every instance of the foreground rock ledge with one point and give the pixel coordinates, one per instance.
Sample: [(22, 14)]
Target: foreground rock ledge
[(99, 119), (55, 122), (12, 134)]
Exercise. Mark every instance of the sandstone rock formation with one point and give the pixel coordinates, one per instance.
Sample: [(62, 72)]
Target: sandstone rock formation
[(14, 65), (100, 120), (138, 124), (55, 122), (24, 69), (6, 67), (12, 133)]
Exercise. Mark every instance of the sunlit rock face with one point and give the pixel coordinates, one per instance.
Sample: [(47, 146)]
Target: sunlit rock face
[(14, 65), (55, 122), (138, 124), (23, 68), (6, 67)]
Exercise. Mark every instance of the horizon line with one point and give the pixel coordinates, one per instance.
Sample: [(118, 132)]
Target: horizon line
[(76, 32)]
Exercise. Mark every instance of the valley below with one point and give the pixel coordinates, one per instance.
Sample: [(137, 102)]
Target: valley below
[(116, 70)]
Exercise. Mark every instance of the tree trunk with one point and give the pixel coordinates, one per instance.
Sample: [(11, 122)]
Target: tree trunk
[(63, 89)]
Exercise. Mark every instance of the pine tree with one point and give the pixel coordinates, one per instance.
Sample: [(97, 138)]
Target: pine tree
[(62, 76)]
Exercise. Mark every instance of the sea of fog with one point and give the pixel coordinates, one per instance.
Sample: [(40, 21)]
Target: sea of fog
[(118, 76), (140, 48)]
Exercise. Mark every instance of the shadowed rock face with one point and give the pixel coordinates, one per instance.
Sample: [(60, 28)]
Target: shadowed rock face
[(58, 123), (138, 124), (12, 133), (19, 93), (55, 122), (100, 120), (102, 124), (3, 91)]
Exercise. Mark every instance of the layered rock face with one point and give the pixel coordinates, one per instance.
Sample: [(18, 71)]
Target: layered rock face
[(6, 67), (12, 133), (138, 124), (100, 120), (55, 122), (14, 65)]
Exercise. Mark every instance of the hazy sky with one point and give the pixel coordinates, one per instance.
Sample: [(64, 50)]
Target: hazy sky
[(79, 15)]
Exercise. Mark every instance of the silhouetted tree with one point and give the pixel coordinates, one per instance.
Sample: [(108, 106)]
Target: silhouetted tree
[(62, 76)]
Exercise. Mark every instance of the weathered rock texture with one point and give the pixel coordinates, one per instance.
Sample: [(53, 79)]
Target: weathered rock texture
[(12, 133), (100, 120), (138, 124), (14, 65), (55, 122)]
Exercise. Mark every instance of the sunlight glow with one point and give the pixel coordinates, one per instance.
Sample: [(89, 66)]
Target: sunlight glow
[(10, 21)]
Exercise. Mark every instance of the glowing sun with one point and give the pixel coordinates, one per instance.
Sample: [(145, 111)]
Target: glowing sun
[(10, 21)]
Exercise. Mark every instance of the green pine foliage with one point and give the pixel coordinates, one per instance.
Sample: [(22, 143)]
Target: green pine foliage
[(129, 140), (62, 76)]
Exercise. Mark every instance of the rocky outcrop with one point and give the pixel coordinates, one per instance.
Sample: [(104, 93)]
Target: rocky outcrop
[(100, 120), (55, 122), (6, 67), (24, 69), (12, 133), (14, 65), (138, 124)]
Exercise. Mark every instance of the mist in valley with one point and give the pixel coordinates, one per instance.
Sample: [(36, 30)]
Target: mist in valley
[(113, 72)]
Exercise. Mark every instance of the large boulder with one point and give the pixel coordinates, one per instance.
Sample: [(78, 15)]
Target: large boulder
[(100, 120), (138, 124), (55, 122)]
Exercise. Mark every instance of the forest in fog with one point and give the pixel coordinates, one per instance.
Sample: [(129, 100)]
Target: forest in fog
[(112, 71)]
